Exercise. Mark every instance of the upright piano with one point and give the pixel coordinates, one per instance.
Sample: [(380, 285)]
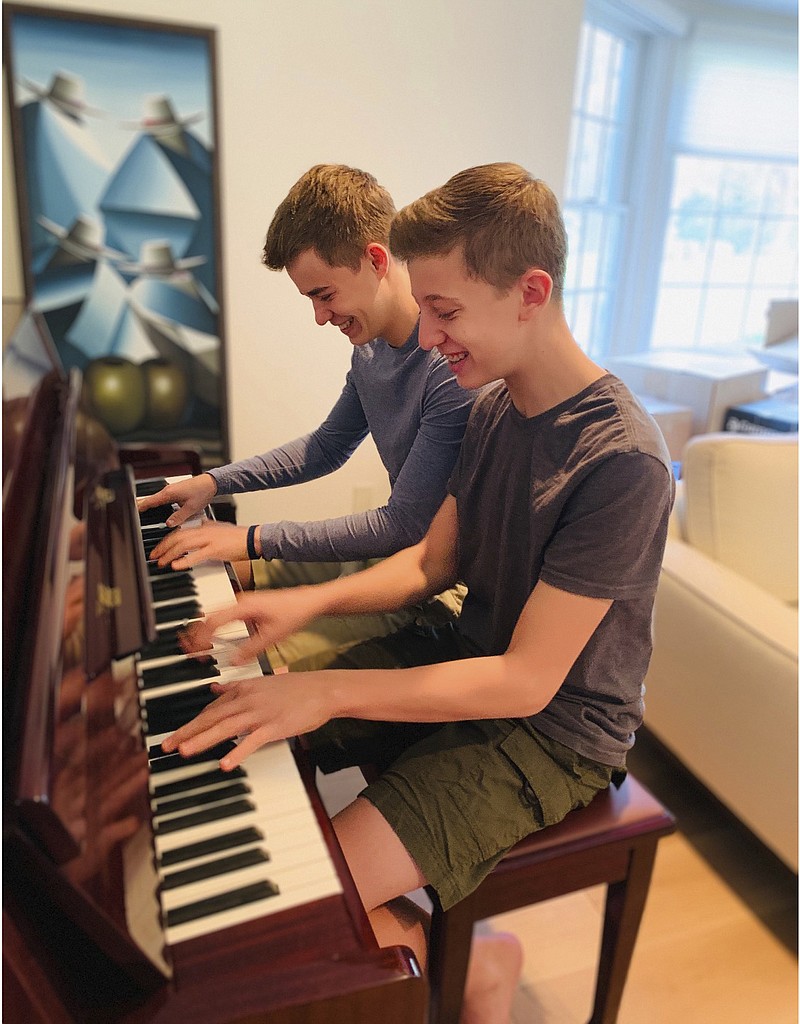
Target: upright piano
[(143, 888)]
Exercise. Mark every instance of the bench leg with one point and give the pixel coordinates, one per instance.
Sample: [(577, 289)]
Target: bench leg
[(625, 902), (449, 946)]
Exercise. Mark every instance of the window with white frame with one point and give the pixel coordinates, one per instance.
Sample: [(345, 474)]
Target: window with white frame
[(681, 209), (730, 244), (595, 206)]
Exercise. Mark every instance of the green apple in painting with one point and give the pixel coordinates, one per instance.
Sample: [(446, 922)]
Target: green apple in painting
[(167, 394), (115, 392)]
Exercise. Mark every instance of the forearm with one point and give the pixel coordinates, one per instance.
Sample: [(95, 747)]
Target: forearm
[(396, 582), (375, 533), (500, 686)]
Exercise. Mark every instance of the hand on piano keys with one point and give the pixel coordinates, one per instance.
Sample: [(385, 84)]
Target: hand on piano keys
[(254, 711), (271, 616), (188, 496), (230, 845), (200, 541)]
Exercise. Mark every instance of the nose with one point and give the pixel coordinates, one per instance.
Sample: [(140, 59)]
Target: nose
[(429, 333), (322, 315)]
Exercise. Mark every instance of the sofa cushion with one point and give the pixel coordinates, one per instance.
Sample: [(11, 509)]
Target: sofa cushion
[(739, 506)]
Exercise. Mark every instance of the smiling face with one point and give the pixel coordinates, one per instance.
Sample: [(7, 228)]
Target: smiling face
[(348, 299), (474, 325)]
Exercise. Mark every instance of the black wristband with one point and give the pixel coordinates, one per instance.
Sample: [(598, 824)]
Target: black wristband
[(252, 554)]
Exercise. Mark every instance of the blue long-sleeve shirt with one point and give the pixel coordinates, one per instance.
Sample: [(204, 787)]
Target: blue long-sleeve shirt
[(411, 403)]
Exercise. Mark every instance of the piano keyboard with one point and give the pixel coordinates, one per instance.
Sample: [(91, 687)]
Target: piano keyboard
[(230, 846)]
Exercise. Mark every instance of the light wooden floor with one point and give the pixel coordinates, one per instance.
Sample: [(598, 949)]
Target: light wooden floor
[(718, 940)]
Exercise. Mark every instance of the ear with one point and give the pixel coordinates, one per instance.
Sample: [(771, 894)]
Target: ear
[(378, 256), (536, 287)]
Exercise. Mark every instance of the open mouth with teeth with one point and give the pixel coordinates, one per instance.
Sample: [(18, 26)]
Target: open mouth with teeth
[(456, 357), (345, 325)]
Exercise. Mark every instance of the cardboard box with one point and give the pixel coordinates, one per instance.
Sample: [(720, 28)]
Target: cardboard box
[(708, 383), (675, 422)]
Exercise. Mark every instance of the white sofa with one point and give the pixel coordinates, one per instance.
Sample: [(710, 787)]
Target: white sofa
[(721, 691)]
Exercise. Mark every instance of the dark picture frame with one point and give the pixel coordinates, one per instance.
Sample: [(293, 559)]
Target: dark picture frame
[(116, 161)]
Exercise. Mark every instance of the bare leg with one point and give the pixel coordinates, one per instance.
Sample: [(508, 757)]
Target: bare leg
[(383, 871), (495, 966), (244, 573)]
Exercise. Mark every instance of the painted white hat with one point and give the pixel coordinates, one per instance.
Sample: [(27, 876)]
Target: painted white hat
[(83, 239), (159, 117), (66, 92), (157, 260)]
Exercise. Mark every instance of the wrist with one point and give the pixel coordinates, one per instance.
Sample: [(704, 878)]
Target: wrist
[(254, 549), (214, 487)]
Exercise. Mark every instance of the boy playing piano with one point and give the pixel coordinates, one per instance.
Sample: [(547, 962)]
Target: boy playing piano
[(556, 519), (331, 234)]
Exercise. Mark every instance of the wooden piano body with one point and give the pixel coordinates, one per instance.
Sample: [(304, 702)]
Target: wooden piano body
[(84, 940)]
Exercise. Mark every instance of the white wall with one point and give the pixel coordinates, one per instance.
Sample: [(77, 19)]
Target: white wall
[(411, 90)]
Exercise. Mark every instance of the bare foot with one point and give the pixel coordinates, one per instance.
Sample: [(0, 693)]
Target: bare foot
[(495, 966)]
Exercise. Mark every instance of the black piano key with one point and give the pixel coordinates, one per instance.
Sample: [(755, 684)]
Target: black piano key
[(154, 536), (209, 796), (225, 901), (180, 584), (155, 571), (147, 487), (214, 868), (181, 611), (156, 515), (197, 781), (204, 817), (179, 672), (215, 844), (167, 642), (160, 762), (170, 719)]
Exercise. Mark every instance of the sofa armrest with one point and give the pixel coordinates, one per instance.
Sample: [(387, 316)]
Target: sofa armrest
[(721, 690), (730, 596)]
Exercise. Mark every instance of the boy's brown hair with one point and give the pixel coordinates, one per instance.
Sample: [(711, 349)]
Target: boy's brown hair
[(505, 220), (334, 209)]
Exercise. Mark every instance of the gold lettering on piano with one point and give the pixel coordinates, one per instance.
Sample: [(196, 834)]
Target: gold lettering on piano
[(108, 598), (103, 495)]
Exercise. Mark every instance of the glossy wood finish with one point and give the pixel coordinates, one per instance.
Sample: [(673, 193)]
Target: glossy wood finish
[(69, 956)]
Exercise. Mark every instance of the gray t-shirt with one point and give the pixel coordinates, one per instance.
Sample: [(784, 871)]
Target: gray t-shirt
[(411, 403), (579, 497)]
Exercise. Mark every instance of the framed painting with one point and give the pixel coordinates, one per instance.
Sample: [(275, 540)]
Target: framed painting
[(116, 169)]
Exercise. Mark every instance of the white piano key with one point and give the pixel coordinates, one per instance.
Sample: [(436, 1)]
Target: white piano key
[(317, 888), (299, 862)]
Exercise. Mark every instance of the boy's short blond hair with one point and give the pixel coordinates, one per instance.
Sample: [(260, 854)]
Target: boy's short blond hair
[(334, 209), (505, 221)]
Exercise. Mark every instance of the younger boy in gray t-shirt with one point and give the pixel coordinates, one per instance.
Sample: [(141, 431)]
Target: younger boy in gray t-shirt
[(556, 519)]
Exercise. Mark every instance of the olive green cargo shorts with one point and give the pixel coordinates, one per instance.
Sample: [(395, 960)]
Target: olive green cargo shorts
[(459, 794)]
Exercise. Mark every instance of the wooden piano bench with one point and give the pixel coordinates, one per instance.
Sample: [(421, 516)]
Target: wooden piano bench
[(612, 841)]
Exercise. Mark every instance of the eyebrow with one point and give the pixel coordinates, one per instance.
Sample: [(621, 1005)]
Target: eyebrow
[(317, 291)]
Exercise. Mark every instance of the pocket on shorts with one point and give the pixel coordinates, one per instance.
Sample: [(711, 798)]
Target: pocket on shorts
[(545, 786)]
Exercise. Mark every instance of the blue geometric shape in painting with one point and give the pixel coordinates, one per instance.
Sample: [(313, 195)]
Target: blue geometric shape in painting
[(64, 173), (180, 303), (95, 327), (64, 286), (193, 165), (145, 198), (130, 340)]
